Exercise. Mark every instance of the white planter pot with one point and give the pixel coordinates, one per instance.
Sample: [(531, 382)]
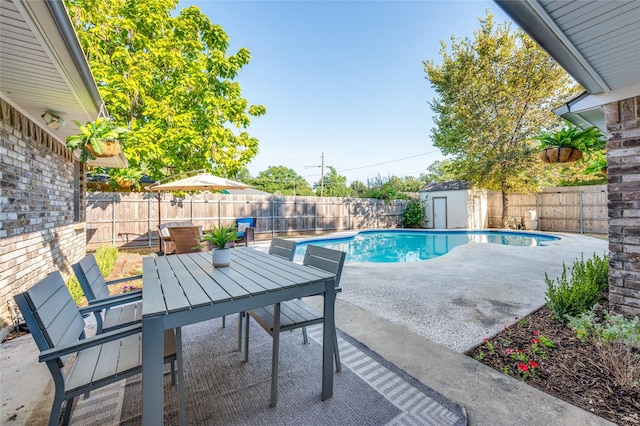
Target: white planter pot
[(221, 257)]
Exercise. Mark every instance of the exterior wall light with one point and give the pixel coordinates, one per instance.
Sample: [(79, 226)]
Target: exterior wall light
[(54, 122)]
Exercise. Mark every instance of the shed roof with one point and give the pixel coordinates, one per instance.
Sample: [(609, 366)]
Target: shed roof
[(446, 186)]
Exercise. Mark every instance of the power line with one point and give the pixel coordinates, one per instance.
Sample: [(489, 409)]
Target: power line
[(388, 162), (379, 164)]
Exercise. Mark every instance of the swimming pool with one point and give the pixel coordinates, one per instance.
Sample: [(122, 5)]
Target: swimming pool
[(415, 245)]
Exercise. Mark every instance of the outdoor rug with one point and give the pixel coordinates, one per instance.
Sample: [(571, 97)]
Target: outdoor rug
[(222, 390)]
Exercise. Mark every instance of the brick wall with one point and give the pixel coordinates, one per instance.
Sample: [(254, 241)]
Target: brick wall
[(623, 161), (37, 230)]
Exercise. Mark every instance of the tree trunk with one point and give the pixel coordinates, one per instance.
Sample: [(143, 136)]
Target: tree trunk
[(505, 210), (505, 204)]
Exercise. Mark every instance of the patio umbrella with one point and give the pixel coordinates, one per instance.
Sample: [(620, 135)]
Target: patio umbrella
[(202, 181), (199, 182)]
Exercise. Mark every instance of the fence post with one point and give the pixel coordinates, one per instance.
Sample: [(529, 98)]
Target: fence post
[(581, 213), (377, 213), (349, 215), (191, 207), (113, 221), (219, 212), (273, 217), (538, 211), (149, 221), (315, 217)]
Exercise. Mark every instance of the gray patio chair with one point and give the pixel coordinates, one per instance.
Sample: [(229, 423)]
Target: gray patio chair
[(296, 313), (56, 324), (283, 248), (111, 312)]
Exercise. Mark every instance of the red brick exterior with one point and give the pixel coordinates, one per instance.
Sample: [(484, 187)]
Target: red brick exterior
[(623, 160)]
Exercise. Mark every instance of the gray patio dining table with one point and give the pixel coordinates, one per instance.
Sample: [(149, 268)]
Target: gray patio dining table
[(185, 289)]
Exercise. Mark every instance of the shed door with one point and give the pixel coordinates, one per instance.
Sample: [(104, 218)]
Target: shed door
[(440, 212)]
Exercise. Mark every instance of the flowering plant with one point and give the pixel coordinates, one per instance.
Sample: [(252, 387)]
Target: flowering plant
[(522, 362)]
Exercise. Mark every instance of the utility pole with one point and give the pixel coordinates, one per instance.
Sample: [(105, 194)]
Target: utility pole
[(294, 185), (322, 177)]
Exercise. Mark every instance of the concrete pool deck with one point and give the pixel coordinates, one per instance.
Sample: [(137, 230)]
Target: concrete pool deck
[(422, 315), (445, 311), (468, 294)]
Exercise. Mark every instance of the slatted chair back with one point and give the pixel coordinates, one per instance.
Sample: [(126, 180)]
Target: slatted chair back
[(283, 248), (186, 238), (295, 313), (52, 316), (90, 278), (327, 259), (57, 326)]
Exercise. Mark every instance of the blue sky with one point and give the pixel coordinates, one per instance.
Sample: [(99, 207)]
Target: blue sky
[(343, 77)]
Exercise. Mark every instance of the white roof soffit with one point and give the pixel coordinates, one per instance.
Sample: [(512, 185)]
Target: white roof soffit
[(43, 68), (586, 110), (589, 25)]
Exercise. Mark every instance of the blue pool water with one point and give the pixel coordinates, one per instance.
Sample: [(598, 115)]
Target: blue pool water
[(412, 246)]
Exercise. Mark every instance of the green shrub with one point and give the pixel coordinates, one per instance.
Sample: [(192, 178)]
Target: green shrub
[(596, 268), (613, 328), (106, 259), (414, 215), (580, 292), (76, 291)]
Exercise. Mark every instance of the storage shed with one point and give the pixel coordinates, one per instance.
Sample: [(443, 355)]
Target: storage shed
[(454, 205)]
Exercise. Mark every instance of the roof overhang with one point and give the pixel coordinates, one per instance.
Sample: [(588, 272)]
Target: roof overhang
[(531, 16), (43, 69), (596, 42)]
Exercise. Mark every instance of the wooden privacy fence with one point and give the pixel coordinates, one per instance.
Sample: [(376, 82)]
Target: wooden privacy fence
[(580, 209), (131, 219)]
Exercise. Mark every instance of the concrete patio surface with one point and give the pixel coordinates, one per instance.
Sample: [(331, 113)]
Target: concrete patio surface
[(420, 316)]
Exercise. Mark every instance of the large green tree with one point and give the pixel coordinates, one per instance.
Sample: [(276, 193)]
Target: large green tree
[(494, 93), (439, 171), (335, 185), (281, 180), (169, 78)]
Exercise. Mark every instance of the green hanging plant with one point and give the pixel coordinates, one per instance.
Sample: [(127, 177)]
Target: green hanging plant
[(97, 139), (569, 144), (598, 165)]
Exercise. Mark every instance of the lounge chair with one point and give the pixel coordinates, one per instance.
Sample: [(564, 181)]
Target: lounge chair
[(56, 324), (167, 245), (246, 227), (111, 312), (296, 313), (186, 239)]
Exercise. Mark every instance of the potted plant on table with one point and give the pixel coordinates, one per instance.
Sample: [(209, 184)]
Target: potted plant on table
[(569, 144), (222, 238), (97, 139)]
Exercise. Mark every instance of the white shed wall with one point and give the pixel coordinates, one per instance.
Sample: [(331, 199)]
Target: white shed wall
[(466, 209)]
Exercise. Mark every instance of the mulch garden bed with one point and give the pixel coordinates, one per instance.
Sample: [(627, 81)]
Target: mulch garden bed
[(570, 370)]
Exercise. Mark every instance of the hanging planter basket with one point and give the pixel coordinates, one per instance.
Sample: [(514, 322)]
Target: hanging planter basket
[(125, 183), (560, 154), (109, 149)]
